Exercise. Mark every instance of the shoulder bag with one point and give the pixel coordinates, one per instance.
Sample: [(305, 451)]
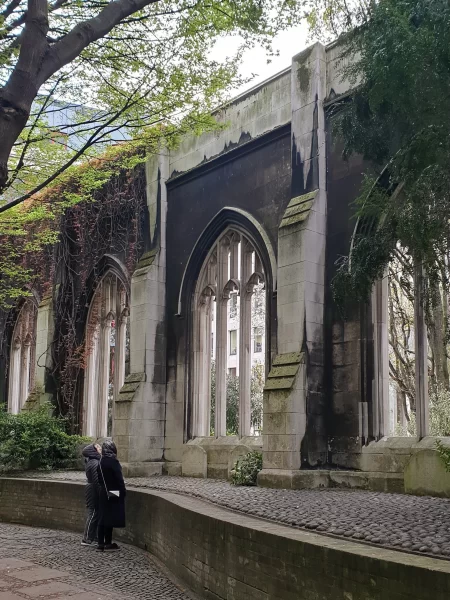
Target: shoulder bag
[(112, 493)]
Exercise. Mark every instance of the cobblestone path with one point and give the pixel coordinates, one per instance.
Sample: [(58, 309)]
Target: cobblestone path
[(407, 523), (44, 564)]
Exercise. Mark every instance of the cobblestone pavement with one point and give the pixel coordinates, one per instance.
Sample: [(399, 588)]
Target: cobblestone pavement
[(408, 523), (44, 564)]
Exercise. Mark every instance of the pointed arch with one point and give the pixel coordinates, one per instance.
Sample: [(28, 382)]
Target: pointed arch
[(227, 271), (240, 221), (107, 341), (22, 356)]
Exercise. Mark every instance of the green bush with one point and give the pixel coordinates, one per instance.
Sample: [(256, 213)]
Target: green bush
[(444, 454), (36, 440), (246, 469)]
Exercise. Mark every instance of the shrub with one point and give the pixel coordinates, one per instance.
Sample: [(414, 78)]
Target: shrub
[(246, 469), (444, 454), (36, 440)]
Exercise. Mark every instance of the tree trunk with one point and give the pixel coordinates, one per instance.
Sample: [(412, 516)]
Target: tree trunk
[(38, 61), (437, 336), (17, 96)]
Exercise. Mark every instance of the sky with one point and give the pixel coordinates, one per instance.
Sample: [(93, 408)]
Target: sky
[(288, 43)]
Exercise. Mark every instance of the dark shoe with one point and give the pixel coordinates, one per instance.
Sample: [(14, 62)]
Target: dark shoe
[(100, 548), (111, 547), (86, 542)]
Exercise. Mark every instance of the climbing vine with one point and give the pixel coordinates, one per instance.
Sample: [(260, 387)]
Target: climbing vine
[(54, 245)]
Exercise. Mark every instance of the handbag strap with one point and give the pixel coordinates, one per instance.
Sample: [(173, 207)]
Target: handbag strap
[(104, 482)]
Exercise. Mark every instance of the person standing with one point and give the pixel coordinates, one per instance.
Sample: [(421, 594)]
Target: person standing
[(112, 494), (92, 454)]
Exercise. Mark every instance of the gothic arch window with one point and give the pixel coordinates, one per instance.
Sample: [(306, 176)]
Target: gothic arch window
[(107, 349), (229, 332), (22, 357)]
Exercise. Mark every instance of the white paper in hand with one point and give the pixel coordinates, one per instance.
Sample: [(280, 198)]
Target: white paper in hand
[(115, 492)]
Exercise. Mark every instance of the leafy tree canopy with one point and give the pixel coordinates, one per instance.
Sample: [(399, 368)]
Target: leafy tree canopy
[(136, 63), (398, 119)]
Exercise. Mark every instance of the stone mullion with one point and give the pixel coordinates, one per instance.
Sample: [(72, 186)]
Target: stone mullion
[(119, 375), (221, 342), (14, 375), (91, 387), (105, 332), (245, 356), (196, 347), (421, 351), (24, 373), (121, 326), (382, 422), (234, 258), (102, 419), (204, 373)]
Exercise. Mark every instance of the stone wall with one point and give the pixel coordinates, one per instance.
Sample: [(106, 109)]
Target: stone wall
[(222, 555)]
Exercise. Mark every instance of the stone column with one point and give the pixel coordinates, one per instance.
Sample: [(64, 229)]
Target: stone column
[(103, 389), (140, 406), (14, 377), (245, 340), (383, 412), (294, 423), (421, 350), (44, 338), (221, 341), (25, 372)]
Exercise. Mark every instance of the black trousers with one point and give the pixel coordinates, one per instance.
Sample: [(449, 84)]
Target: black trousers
[(90, 530), (104, 535)]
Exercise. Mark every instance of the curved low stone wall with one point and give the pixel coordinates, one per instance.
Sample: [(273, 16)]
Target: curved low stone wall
[(222, 555)]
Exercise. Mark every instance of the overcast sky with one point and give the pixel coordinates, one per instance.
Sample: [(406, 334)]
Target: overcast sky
[(288, 43)]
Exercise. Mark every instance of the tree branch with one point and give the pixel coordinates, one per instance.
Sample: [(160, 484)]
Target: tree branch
[(83, 34)]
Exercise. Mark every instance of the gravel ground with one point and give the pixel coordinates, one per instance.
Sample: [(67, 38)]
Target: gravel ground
[(408, 523)]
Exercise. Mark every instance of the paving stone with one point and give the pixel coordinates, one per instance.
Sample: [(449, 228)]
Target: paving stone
[(4, 583), (10, 596), (84, 596), (14, 563), (37, 574), (85, 574), (47, 589)]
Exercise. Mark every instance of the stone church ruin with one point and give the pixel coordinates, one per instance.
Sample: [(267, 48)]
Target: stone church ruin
[(229, 272)]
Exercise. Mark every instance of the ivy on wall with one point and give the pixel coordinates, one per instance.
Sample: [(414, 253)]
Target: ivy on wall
[(56, 244)]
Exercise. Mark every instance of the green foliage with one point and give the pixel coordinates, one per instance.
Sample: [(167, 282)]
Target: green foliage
[(246, 469), (444, 454), (232, 404), (32, 230), (440, 412), (156, 66), (257, 396), (398, 120), (36, 440), (256, 399), (439, 415)]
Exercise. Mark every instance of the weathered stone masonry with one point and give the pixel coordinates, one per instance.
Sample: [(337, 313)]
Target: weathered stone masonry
[(274, 179)]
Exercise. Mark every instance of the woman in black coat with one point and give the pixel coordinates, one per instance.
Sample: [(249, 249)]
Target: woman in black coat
[(111, 497)]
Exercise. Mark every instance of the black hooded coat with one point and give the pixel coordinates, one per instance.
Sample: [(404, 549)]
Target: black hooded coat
[(92, 458), (110, 478)]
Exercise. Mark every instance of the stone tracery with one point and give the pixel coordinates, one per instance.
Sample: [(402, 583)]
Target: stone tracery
[(22, 357), (106, 347), (232, 269)]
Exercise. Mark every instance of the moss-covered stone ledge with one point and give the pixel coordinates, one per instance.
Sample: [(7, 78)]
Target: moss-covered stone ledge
[(227, 556)]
